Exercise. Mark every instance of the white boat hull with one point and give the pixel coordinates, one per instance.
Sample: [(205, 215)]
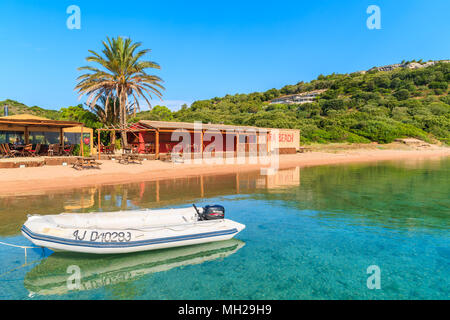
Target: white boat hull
[(124, 232)]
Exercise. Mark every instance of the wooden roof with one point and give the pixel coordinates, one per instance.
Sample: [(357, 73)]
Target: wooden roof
[(25, 116), (28, 120), (192, 126)]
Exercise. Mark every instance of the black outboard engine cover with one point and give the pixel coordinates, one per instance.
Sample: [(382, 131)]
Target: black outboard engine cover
[(213, 212)]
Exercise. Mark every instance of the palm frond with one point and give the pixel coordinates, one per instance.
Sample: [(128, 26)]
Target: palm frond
[(118, 79)]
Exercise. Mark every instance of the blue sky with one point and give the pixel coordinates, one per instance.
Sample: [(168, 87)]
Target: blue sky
[(212, 48)]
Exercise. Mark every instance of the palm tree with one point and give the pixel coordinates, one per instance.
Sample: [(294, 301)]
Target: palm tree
[(121, 78), (107, 113)]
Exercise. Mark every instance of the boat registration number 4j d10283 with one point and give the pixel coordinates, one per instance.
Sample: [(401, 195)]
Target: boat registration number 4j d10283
[(102, 236)]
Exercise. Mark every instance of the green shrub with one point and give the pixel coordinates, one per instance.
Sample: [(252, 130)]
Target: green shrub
[(438, 85), (439, 108), (118, 144), (402, 94), (86, 150), (387, 131)]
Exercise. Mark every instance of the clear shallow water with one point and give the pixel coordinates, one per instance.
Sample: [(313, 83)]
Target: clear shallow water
[(311, 234)]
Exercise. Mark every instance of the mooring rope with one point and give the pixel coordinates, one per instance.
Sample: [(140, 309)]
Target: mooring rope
[(18, 246), (22, 247)]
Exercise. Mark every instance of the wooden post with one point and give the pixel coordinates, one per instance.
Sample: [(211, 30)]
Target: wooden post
[(27, 135), (157, 144), (123, 200), (201, 144), (257, 143), (99, 197), (202, 189), (81, 142), (91, 140), (98, 144), (61, 137), (237, 144), (157, 190)]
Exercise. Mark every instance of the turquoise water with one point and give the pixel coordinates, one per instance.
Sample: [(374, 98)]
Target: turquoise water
[(311, 234)]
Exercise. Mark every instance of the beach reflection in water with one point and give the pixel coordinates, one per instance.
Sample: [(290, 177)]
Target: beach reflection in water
[(149, 194)]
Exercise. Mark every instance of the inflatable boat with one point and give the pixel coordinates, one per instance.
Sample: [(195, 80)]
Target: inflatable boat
[(130, 231)]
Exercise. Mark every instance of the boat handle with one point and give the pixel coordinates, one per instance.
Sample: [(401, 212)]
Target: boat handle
[(198, 213)]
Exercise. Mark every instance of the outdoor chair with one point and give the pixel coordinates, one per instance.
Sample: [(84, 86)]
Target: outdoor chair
[(68, 150), (169, 147), (127, 150), (109, 149), (2, 151), (36, 151), (150, 148), (9, 152), (27, 151), (53, 150), (50, 150)]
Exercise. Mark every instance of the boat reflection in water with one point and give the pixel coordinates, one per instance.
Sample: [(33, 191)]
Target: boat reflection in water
[(51, 276)]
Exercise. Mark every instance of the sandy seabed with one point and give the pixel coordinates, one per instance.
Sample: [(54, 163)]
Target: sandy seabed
[(47, 178)]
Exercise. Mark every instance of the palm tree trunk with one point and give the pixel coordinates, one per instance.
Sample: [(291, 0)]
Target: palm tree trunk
[(123, 120), (112, 137)]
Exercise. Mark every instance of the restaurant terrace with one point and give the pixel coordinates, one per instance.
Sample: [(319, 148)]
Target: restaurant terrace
[(161, 137), (31, 136)]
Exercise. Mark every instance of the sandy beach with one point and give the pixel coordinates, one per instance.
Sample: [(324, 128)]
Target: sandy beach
[(47, 178)]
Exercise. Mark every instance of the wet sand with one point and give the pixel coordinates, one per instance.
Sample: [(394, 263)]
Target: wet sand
[(47, 178)]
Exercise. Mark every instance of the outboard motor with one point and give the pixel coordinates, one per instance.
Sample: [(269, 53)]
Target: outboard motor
[(211, 212)]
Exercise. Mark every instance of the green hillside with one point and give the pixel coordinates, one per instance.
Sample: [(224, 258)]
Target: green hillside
[(358, 107), (72, 113), (15, 107)]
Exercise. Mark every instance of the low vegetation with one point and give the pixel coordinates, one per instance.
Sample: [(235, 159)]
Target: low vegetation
[(375, 106)]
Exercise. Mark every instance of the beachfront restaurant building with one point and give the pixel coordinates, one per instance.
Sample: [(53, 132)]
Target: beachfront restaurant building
[(30, 129), (163, 137)]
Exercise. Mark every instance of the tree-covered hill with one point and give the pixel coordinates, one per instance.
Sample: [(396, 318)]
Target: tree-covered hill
[(15, 107), (359, 107), (72, 113)]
